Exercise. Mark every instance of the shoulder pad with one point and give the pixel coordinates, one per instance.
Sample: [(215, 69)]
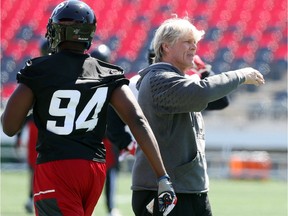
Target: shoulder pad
[(108, 69), (34, 61), (114, 68)]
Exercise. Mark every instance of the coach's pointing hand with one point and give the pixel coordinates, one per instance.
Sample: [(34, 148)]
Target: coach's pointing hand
[(252, 76)]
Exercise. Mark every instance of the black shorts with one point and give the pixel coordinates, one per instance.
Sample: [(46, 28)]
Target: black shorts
[(187, 204)]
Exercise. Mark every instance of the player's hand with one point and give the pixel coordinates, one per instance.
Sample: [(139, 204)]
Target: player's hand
[(204, 74), (201, 68), (166, 196), (252, 76)]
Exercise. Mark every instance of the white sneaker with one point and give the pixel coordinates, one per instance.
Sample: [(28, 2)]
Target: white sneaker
[(29, 206), (115, 212)]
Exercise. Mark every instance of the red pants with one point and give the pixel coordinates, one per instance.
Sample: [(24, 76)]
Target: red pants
[(68, 187)]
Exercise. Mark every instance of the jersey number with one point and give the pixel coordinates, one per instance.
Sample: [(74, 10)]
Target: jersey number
[(94, 105)]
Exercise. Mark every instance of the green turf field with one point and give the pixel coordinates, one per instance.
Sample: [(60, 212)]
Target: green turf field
[(228, 197)]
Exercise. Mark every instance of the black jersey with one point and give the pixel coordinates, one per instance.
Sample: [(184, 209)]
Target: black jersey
[(72, 94)]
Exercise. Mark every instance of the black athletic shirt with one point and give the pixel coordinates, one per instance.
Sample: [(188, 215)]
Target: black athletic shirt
[(72, 94)]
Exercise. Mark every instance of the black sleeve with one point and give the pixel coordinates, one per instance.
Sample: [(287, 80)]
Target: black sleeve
[(27, 76), (218, 104), (116, 132)]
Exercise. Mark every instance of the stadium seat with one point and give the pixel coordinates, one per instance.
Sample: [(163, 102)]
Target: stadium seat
[(207, 50), (246, 50), (264, 54), (127, 27)]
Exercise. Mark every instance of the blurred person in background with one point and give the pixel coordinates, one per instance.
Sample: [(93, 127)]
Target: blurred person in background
[(201, 70), (27, 138), (69, 92), (172, 102), (117, 140)]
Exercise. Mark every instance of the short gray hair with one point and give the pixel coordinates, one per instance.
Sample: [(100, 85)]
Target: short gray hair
[(170, 31)]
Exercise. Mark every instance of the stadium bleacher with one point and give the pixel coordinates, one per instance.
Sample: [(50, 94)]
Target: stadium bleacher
[(240, 32)]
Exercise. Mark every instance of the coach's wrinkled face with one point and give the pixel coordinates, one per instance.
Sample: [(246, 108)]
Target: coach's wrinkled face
[(181, 53)]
